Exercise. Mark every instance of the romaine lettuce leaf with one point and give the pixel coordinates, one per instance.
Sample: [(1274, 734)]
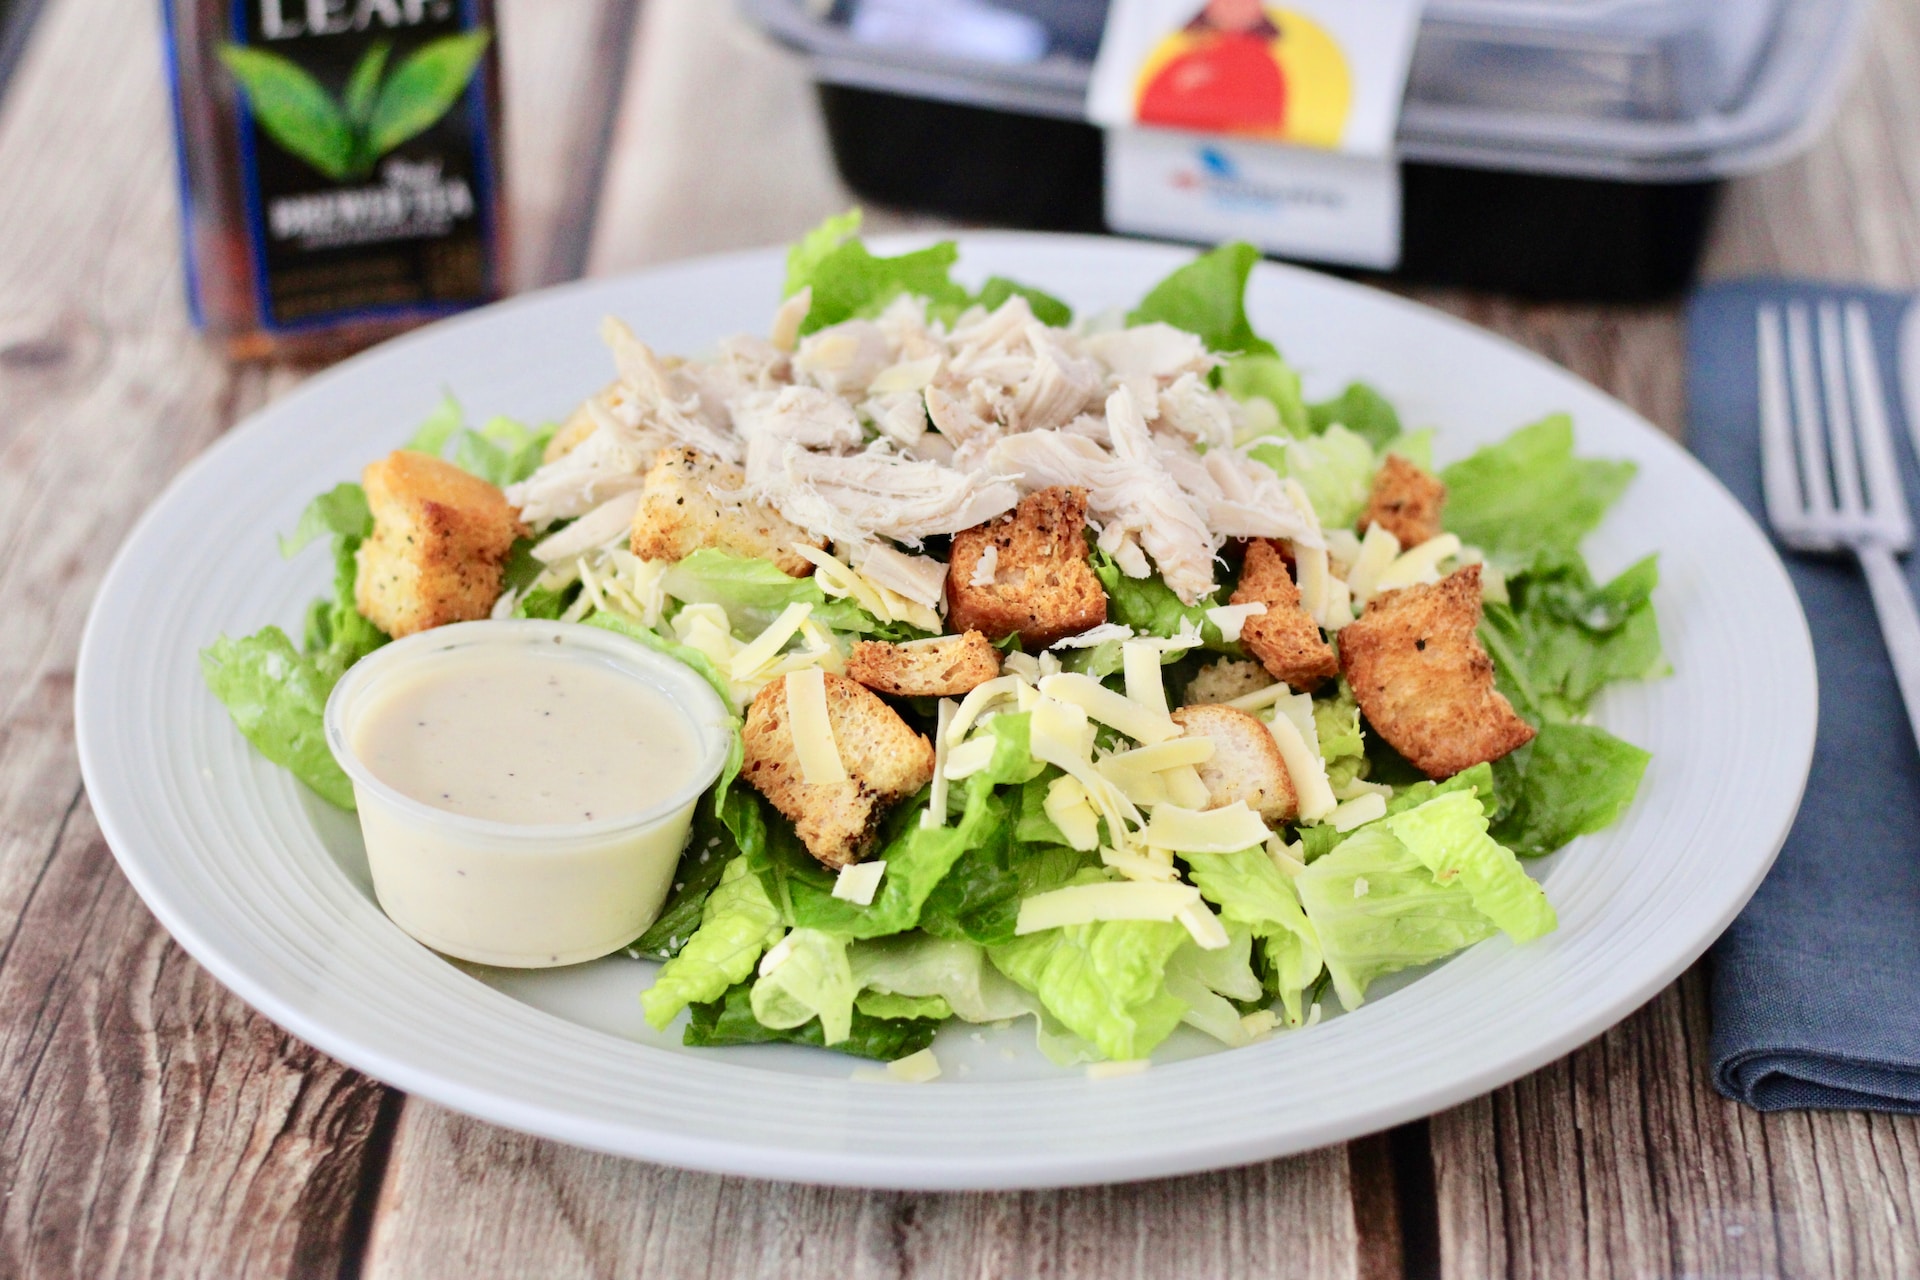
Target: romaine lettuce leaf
[(439, 427), (1047, 309), (737, 924), (1335, 468), (1207, 298), (1322, 839), (753, 591), (1150, 607), (1574, 779), (877, 1004), (1208, 981), (1448, 834), (1377, 909), (1251, 890), (1105, 981), (277, 699), (339, 512), (1361, 410), (848, 281), (1562, 638), (730, 1021), (1529, 493), (1266, 376), (710, 850), (917, 966), (1343, 745), (814, 980)]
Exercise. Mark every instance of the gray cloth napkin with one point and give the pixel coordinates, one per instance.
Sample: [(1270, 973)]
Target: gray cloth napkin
[(1816, 987)]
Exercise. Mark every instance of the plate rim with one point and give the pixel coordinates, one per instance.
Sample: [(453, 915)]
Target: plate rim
[(869, 1169)]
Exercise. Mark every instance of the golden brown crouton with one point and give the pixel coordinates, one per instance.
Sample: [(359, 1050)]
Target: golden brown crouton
[(943, 668), (1041, 584), (1246, 763), (679, 514), (1423, 680), (1406, 502), (885, 762), (1225, 680), (1285, 638), (439, 547)]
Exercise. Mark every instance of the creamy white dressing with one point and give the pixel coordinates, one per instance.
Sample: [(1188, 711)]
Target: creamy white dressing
[(512, 733)]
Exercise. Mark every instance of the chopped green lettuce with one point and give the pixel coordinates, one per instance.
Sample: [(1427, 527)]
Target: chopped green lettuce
[(1047, 309), (1573, 779), (848, 281), (1207, 298), (710, 851), (1343, 745), (1361, 410), (730, 1021), (737, 924), (812, 980), (1266, 376), (915, 966), (1150, 607), (339, 512), (1529, 493), (1479, 781), (1250, 889), (1105, 981), (753, 591), (277, 698), (1448, 834), (1561, 639), (1208, 981), (440, 426), (1377, 909), (879, 1004), (1335, 468)]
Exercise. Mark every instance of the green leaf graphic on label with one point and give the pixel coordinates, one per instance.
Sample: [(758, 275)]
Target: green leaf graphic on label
[(345, 139), (294, 109), (363, 86), (423, 87)]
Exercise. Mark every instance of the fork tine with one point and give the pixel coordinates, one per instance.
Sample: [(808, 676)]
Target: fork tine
[(1891, 520), (1851, 498), (1809, 432), (1779, 478)]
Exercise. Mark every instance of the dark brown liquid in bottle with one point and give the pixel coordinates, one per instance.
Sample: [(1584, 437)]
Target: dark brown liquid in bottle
[(340, 168)]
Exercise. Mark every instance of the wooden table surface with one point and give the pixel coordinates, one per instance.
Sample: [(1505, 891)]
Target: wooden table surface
[(151, 1124)]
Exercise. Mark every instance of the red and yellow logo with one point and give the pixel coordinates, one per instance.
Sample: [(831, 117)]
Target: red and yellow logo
[(1242, 68)]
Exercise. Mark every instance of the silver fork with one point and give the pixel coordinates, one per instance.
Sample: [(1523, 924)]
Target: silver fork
[(1828, 468)]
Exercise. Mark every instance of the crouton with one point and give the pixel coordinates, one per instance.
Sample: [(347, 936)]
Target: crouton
[(1041, 585), (1423, 681), (1225, 680), (1285, 638), (439, 548), (679, 513), (943, 668), (885, 762), (1406, 502), (1246, 763)]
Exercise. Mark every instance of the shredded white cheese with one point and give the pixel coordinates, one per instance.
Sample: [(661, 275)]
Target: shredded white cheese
[(1109, 708), (1358, 811), (1095, 635), (812, 729), (915, 1068), (1184, 787), (1088, 903), (1117, 1070), (1419, 565), (1140, 664), (967, 758), (761, 649), (1378, 550), (936, 810), (1069, 809), (1203, 927), (1304, 766), (1227, 829), (858, 882), (1230, 618)]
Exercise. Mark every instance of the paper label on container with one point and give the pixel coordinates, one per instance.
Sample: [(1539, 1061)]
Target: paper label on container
[(1310, 73), (1294, 201)]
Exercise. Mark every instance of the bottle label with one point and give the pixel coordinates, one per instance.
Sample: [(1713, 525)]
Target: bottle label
[(365, 158)]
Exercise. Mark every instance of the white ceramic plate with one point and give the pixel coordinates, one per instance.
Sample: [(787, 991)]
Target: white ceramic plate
[(267, 887)]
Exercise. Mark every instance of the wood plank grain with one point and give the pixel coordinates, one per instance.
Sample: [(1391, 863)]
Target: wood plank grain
[(1620, 1159), (463, 1198), (150, 1124)]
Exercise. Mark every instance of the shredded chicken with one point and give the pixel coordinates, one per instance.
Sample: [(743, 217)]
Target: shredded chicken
[(900, 428)]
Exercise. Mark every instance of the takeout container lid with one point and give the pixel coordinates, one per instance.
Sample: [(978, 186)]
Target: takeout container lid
[(1626, 90)]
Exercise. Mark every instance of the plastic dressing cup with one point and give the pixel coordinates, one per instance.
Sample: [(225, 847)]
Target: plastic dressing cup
[(525, 895)]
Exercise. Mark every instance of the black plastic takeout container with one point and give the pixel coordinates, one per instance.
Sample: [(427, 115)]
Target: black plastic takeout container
[(1570, 149)]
